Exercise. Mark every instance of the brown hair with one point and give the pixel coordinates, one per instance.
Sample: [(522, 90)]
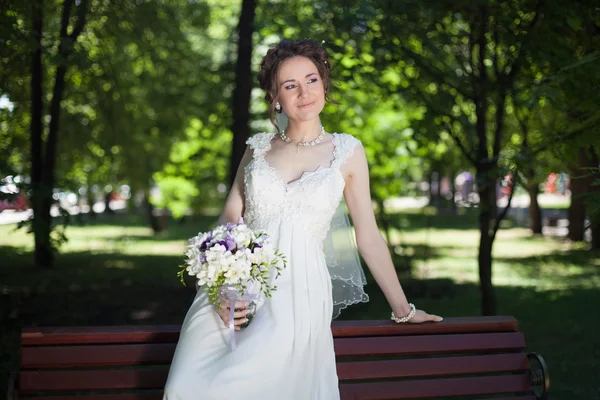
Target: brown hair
[(267, 77)]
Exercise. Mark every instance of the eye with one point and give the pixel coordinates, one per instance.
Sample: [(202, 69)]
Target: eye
[(312, 80), (290, 87)]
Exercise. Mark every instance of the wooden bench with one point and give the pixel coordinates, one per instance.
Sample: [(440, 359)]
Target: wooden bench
[(464, 358)]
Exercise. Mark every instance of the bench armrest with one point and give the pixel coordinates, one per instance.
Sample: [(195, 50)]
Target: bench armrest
[(12, 393), (540, 379)]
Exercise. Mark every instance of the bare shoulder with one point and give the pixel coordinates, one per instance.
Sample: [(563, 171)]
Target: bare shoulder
[(352, 155)]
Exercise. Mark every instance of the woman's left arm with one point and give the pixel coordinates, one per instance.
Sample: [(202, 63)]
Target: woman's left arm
[(371, 244)]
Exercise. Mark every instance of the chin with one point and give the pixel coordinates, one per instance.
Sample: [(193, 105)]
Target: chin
[(309, 114)]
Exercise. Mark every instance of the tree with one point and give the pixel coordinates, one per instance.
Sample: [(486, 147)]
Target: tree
[(43, 152), (461, 61), (243, 87)]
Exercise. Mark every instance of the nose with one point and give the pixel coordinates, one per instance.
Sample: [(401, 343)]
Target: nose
[(302, 91)]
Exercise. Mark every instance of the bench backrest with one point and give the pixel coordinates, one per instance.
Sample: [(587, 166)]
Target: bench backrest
[(480, 356)]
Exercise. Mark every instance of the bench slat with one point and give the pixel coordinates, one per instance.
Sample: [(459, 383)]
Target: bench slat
[(162, 353), (96, 355), (421, 389), (158, 396), (91, 380), (428, 367), (412, 345), (170, 333), (510, 398), (31, 381), (128, 396), (486, 324)]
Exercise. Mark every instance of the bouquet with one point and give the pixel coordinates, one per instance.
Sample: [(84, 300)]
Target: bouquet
[(230, 260)]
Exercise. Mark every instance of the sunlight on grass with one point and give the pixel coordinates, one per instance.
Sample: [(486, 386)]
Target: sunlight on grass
[(452, 254), (137, 240)]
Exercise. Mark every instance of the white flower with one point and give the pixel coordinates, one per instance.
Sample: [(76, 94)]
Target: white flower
[(202, 278), (212, 272), (215, 252), (241, 236)]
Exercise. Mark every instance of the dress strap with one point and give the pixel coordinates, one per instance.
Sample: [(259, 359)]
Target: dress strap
[(344, 147), (260, 143)]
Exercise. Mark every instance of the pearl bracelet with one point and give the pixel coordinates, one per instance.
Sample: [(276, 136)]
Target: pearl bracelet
[(411, 314)]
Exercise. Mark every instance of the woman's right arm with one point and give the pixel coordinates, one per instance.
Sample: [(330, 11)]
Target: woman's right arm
[(232, 211), (235, 203)]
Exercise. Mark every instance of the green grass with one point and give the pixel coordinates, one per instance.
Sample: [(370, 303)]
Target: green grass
[(115, 271)]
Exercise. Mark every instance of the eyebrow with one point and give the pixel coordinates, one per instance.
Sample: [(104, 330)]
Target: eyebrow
[(293, 80)]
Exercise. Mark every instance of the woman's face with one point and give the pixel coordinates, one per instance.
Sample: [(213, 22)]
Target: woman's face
[(301, 91)]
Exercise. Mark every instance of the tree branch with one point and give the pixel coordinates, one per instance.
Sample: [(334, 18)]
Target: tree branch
[(437, 75), (460, 144), (455, 137), (500, 217), (500, 110), (64, 21), (572, 134), (496, 39), (516, 66), (481, 103), (81, 14)]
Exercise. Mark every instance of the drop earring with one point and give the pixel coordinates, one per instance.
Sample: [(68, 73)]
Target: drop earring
[(278, 107)]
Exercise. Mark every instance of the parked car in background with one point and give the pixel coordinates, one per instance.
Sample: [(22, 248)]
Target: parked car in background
[(12, 199)]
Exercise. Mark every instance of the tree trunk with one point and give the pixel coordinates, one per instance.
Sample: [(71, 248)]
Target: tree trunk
[(487, 214), (595, 191), (243, 87), (535, 213), (41, 220), (432, 191), (383, 219), (43, 163), (107, 209), (152, 219), (452, 178), (580, 185)]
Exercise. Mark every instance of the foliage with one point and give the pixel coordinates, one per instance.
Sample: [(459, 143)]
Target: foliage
[(118, 260)]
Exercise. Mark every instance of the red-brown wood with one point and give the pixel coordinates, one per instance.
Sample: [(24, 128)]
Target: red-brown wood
[(448, 325), (100, 334), (129, 396), (421, 389), (412, 345), (478, 345), (158, 396), (161, 353), (90, 380), (96, 355), (431, 367), (170, 333), (510, 398)]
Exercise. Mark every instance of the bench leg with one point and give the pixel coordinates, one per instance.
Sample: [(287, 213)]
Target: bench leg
[(12, 393), (540, 379)]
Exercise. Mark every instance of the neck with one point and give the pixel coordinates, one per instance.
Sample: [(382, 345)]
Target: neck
[(303, 131)]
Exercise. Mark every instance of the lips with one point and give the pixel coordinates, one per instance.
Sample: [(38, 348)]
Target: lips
[(306, 105)]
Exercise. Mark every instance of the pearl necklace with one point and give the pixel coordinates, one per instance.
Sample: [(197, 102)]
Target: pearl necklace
[(286, 139)]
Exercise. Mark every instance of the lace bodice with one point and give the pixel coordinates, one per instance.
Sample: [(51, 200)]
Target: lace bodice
[(309, 201)]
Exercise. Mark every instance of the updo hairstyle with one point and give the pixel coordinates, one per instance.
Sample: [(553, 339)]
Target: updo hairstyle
[(267, 77)]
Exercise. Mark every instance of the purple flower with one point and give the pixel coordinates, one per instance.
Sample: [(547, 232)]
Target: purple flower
[(241, 220), (230, 226), (201, 257), (204, 244), (230, 243)]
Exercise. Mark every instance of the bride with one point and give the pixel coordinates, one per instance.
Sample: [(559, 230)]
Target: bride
[(289, 185)]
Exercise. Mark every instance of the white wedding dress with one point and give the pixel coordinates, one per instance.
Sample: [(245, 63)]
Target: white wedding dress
[(286, 353)]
